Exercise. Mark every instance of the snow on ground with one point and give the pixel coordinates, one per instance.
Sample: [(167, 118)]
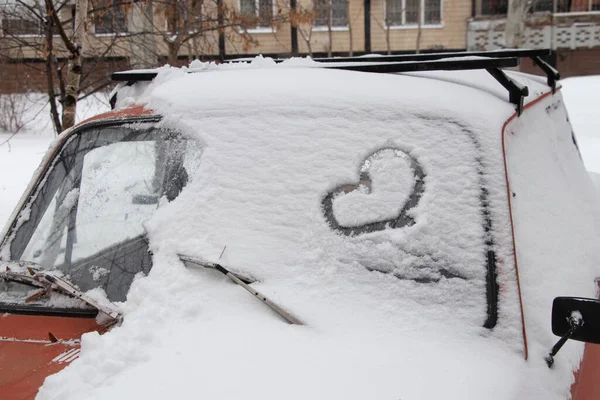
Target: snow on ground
[(582, 97), (21, 154)]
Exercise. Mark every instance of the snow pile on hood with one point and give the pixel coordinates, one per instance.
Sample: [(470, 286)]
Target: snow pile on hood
[(389, 312)]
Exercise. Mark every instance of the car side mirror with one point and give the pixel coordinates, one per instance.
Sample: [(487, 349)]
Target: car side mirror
[(574, 318), (564, 309)]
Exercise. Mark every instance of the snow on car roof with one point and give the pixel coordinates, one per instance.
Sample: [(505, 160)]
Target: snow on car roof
[(299, 168), (476, 79)]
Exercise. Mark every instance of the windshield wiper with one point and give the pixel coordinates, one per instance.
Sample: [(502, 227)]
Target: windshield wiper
[(189, 261), (107, 316)]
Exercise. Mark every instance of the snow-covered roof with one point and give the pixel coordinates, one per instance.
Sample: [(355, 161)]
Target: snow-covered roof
[(476, 79)]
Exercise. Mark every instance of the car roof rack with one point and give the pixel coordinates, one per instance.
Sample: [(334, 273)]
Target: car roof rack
[(491, 61)]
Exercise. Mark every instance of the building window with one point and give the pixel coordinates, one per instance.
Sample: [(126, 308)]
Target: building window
[(184, 15), (406, 12), (583, 5), (542, 5), (335, 11), (20, 27), (109, 18), (257, 13), (16, 20), (494, 7)]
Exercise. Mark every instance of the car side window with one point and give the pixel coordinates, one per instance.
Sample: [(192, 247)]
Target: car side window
[(90, 212)]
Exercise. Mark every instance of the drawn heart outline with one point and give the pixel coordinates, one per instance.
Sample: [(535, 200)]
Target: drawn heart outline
[(399, 221)]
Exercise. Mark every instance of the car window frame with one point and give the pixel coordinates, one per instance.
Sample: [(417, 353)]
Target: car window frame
[(40, 177)]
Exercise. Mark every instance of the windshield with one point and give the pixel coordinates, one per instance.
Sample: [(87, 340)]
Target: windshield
[(86, 219)]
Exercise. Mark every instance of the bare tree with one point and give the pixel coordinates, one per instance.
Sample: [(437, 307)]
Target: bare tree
[(350, 39), (333, 14), (328, 7), (140, 24), (74, 45), (194, 25), (395, 16), (515, 23), (419, 30), (386, 26), (391, 19), (55, 31), (302, 18), (182, 26), (75, 38)]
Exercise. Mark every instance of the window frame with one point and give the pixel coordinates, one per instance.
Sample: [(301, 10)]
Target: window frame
[(403, 24), (41, 192), (8, 234), (494, 13), (13, 16), (325, 28), (259, 29), (167, 29), (2, 34), (95, 17)]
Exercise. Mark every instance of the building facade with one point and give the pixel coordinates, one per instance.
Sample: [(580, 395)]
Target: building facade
[(333, 26), (570, 27), (124, 34)]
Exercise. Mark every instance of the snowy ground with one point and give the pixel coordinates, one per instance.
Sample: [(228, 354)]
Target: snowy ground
[(582, 96)]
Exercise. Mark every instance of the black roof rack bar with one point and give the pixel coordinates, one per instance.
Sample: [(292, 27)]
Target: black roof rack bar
[(133, 76), (521, 53), (552, 74), (433, 65), (516, 91), (536, 55)]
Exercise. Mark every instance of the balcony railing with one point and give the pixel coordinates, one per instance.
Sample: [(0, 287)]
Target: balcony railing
[(549, 31)]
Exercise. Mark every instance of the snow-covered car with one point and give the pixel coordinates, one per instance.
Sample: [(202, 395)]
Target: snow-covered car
[(415, 227)]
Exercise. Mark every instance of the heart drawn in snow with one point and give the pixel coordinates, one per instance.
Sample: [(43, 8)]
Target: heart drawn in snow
[(391, 183)]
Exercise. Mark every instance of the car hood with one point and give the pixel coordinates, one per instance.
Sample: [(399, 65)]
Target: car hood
[(220, 343), (35, 346)]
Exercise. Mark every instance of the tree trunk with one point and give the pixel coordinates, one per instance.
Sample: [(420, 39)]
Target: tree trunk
[(350, 44), (387, 39), (329, 26), (307, 38), (72, 88), (419, 30), (515, 23), (195, 47), (74, 68), (50, 77), (173, 40), (173, 48)]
